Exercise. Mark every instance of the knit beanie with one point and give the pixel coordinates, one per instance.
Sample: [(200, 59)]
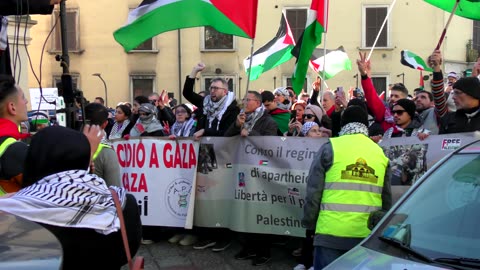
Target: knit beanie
[(469, 85), (316, 110), (307, 126), (453, 75), (408, 105), (353, 114), (282, 91)]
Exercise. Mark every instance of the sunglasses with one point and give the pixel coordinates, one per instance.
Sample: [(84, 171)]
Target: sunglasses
[(399, 112), (308, 116)]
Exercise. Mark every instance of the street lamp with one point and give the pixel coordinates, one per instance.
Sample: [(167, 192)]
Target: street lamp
[(105, 85)]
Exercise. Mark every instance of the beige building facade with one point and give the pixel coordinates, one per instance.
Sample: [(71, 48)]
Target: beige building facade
[(163, 62)]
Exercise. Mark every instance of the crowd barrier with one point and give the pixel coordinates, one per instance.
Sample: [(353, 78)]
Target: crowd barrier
[(252, 184)]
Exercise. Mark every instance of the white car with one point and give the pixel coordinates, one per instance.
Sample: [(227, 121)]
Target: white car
[(435, 225)]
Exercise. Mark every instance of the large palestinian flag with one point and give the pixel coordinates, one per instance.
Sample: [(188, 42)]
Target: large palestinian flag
[(466, 8), (414, 61), (153, 17), (310, 39), (275, 52), (330, 64)]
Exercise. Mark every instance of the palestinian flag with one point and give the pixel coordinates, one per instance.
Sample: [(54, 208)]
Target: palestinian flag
[(414, 61), (153, 17), (334, 61), (466, 8), (263, 163), (274, 53), (312, 36)]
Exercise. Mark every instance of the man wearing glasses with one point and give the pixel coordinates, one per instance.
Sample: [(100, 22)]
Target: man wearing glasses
[(216, 112), (219, 109), (466, 96), (254, 120)]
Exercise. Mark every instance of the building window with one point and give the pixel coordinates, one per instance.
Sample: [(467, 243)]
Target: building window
[(216, 41), (142, 85), (287, 81), (476, 36), (73, 33), (57, 80), (380, 84), (373, 18), (297, 19), (145, 46)]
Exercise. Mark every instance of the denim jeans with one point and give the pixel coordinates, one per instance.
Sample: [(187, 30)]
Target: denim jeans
[(324, 256)]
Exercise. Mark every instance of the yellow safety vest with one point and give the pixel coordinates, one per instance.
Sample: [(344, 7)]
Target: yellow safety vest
[(99, 149), (353, 187), (3, 147)]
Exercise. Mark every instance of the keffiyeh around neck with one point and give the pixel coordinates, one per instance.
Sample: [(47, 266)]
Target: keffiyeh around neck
[(68, 199), (118, 129), (253, 117), (216, 109), (353, 128)]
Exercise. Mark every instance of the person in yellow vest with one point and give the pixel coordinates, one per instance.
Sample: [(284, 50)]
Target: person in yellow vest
[(13, 111), (348, 179), (104, 159)]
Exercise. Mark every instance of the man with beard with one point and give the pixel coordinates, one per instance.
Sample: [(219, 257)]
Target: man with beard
[(219, 109), (466, 96), (426, 110), (216, 112)]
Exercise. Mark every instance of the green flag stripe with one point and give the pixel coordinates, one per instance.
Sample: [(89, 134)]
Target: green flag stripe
[(271, 61), (175, 15)]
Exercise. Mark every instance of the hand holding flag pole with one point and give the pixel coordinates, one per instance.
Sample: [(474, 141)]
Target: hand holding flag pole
[(442, 37), (381, 28)]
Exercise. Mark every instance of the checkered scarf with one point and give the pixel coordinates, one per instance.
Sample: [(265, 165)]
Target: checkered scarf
[(73, 199)]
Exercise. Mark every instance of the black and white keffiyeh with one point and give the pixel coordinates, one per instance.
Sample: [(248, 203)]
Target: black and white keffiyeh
[(253, 117), (183, 129), (216, 109), (118, 129), (68, 199), (353, 128)]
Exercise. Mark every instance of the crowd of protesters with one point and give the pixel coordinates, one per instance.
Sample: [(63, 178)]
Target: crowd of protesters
[(343, 116)]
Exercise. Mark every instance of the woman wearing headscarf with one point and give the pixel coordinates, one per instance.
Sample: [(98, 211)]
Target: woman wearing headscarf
[(122, 126), (147, 123), (76, 206), (282, 98)]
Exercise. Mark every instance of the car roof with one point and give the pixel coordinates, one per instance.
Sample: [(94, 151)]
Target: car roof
[(27, 245), (473, 148)]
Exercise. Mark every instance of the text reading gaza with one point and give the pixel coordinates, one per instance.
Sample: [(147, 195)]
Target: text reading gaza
[(151, 155)]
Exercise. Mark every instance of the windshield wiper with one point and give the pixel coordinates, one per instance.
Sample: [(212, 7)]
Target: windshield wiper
[(460, 261), (406, 248)]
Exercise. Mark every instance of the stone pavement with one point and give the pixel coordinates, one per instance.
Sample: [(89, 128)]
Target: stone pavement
[(165, 256)]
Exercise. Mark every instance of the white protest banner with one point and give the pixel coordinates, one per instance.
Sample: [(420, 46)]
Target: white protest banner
[(50, 95), (252, 184), (160, 174)]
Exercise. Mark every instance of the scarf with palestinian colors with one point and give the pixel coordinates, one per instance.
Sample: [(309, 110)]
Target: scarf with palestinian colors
[(72, 198), (253, 117), (216, 109)]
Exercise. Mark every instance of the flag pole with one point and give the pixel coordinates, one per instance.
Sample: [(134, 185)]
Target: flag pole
[(442, 37), (250, 65), (381, 29), (325, 22)]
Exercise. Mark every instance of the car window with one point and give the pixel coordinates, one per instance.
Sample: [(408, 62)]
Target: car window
[(442, 215)]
